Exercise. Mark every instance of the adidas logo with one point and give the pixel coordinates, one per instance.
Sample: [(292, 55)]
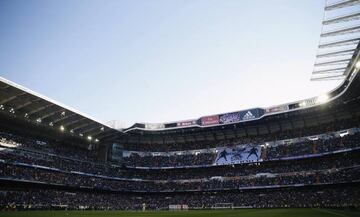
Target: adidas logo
[(248, 116)]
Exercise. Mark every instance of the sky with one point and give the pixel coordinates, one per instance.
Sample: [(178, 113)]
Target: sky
[(162, 60)]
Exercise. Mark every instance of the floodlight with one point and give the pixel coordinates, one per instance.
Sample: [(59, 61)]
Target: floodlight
[(313, 138), (62, 128), (322, 99), (344, 133), (357, 65), (302, 104)]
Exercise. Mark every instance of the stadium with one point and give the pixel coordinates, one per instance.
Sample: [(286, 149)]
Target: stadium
[(293, 159)]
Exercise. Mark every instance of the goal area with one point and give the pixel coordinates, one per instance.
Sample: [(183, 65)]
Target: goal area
[(223, 206), (178, 207)]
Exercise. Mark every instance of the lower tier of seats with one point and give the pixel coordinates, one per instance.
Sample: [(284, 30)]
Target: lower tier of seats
[(25, 197)]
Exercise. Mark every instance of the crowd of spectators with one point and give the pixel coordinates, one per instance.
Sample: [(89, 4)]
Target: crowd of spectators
[(274, 136), (135, 160), (328, 197), (332, 175), (337, 160), (270, 153), (30, 150), (66, 163), (314, 147), (41, 145), (53, 161), (29, 160)]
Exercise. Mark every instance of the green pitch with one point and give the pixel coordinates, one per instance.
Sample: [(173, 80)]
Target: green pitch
[(206, 213)]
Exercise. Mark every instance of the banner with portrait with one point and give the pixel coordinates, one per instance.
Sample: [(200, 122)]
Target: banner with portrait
[(238, 155)]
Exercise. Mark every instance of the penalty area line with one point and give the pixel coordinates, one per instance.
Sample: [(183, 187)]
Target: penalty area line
[(331, 212)]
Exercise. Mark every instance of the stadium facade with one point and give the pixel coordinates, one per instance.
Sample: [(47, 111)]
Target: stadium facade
[(300, 154)]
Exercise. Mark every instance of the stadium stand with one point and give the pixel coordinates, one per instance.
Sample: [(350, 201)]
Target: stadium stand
[(299, 154), (320, 162)]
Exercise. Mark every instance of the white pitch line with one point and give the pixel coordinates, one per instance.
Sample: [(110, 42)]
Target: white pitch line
[(331, 212)]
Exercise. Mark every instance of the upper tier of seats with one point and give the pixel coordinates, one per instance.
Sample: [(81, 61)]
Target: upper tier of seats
[(280, 135), (33, 152)]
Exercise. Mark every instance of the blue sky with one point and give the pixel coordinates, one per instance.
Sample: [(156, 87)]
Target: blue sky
[(162, 60)]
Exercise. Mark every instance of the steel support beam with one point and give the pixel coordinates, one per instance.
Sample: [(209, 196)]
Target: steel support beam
[(341, 4), (333, 62), (334, 70), (336, 53), (341, 31), (342, 18), (338, 43)]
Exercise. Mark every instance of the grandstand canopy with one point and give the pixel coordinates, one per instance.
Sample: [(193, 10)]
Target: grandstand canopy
[(20, 102), (338, 40)]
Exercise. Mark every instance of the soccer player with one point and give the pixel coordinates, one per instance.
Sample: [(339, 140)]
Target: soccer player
[(253, 151), (223, 154)]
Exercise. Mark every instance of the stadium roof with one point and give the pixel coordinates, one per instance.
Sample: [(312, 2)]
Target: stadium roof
[(338, 40), (19, 101)]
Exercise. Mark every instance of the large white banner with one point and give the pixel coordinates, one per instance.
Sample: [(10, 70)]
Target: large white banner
[(238, 155)]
